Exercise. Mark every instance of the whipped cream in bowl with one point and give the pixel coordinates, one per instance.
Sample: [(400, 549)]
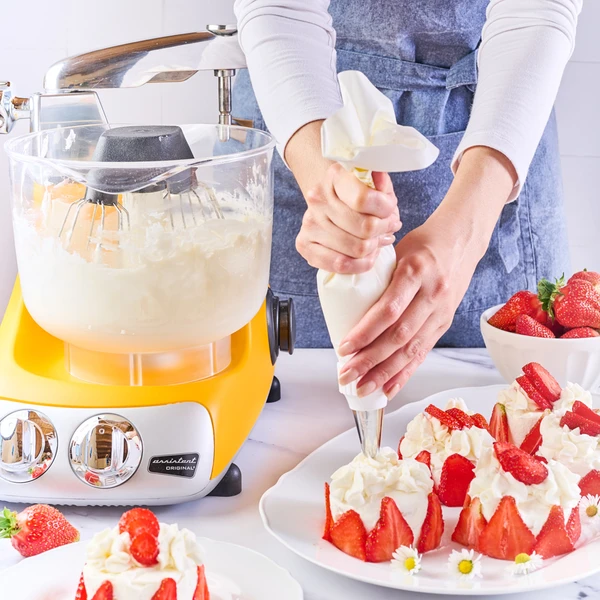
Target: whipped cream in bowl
[(362, 484), (535, 501), (425, 432), (109, 559)]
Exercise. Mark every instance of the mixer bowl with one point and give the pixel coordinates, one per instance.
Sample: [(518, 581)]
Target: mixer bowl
[(169, 273)]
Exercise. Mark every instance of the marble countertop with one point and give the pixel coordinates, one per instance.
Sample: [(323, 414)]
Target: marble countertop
[(310, 413)]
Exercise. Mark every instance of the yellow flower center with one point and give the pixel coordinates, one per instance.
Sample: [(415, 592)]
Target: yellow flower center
[(522, 558), (465, 566), (410, 563), (591, 511)]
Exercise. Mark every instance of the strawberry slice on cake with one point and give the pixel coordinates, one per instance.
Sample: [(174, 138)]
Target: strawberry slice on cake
[(450, 442), (375, 505), (518, 414), (518, 504)]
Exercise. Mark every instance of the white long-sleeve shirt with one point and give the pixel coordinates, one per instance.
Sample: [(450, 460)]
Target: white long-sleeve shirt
[(290, 50)]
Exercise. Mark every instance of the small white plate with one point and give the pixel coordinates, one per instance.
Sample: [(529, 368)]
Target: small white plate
[(294, 512), (54, 575)]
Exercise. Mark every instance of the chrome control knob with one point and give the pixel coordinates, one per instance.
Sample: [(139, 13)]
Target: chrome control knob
[(28, 444), (105, 451)]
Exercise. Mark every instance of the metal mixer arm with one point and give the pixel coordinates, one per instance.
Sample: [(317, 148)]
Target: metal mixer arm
[(166, 59)]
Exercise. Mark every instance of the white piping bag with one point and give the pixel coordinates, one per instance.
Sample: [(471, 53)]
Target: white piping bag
[(363, 136)]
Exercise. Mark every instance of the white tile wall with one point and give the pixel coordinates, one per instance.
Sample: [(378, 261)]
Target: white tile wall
[(52, 29)]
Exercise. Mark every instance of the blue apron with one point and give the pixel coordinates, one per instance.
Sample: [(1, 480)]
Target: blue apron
[(423, 56)]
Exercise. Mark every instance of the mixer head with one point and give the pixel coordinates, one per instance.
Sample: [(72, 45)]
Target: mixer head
[(185, 201)]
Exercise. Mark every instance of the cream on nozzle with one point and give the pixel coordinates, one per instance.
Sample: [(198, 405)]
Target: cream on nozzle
[(363, 136)]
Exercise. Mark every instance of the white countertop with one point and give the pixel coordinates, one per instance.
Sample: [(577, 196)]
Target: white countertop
[(310, 413)]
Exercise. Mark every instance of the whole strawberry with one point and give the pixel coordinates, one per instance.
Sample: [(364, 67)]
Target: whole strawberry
[(36, 529), (580, 332), (576, 304), (526, 325), (521, 303), (589, 276)]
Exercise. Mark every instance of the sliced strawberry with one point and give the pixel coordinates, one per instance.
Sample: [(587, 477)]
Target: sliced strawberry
[(520, 465), (506, 535), (424, 457), (526, 325), (579, 408), (442, 416), (167, 590), (499, 423), (201, 592), (457, 474), (144, 549), (573, 421), (390, 532), (532, 393), (400, 444), (81, 593), (462, 417), (104, 592), (574, 525), (590, 484), (480, 421), (139, 520), (553, 540), (471, 524), (328, 516), (580, 332), (433, 526), (541, 459), (533, 440), (543, 381), (349, 535)]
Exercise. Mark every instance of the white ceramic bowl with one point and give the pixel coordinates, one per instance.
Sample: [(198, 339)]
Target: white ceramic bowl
[(574, 360)]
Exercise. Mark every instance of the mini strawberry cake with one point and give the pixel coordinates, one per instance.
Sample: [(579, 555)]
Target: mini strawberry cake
[(450, 442), (572, 437), (518, 414), (141, 559), (374, 506), (518, 504)]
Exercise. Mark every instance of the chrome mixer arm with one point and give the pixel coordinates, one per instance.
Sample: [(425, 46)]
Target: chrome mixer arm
[(70, 84)]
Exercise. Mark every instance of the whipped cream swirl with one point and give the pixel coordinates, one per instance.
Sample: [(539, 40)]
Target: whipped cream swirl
[(534, 502), (362, 484), (425, 432), (569, 395)]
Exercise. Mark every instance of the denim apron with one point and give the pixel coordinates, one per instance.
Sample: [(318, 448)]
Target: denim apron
[(423, 56)]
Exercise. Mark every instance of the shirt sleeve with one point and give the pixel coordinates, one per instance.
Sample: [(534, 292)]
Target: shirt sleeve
[(524, 49), (290, 51)]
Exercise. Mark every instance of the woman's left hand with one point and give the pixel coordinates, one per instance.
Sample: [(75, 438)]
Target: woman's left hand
[(435, 265)]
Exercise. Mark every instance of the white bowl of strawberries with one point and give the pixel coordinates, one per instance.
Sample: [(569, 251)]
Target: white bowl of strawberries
[(558, 327)]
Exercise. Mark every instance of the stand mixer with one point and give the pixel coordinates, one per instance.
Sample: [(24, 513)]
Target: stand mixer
[(139, 344)]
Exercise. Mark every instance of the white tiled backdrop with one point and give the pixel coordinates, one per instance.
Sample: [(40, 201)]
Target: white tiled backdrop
[(52, 29)]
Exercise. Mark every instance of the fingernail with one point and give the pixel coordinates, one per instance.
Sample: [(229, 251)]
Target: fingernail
[(348, 376), (387, 240), (366, 389), (345, 349), (393, 392)]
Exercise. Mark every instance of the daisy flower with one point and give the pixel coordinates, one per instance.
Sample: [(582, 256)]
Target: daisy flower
[(526, 563), (589, 511), (464, 564), (407, 559)]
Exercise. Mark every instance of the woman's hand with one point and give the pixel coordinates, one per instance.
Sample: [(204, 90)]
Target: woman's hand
[(435, 265), (346, 221)]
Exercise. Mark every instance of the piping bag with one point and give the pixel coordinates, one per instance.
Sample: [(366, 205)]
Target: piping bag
[(363, 136)]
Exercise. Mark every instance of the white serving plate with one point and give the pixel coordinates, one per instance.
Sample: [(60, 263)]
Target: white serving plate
[(54, 575), (293, 511)]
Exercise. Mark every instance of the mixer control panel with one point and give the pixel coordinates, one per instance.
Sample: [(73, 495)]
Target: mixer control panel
[(28, 444), (105, 451)]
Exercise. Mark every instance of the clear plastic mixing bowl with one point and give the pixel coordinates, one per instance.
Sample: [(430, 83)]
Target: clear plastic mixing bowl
[(169, 265)]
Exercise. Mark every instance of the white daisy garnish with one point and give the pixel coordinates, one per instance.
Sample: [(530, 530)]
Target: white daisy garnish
[(589, 509), (464, 564), (526, 563), (407, 559)]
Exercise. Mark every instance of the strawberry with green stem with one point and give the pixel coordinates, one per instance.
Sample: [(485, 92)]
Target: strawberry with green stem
[(576, 304)]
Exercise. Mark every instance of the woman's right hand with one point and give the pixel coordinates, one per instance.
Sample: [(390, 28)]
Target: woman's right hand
[(347, 222)]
